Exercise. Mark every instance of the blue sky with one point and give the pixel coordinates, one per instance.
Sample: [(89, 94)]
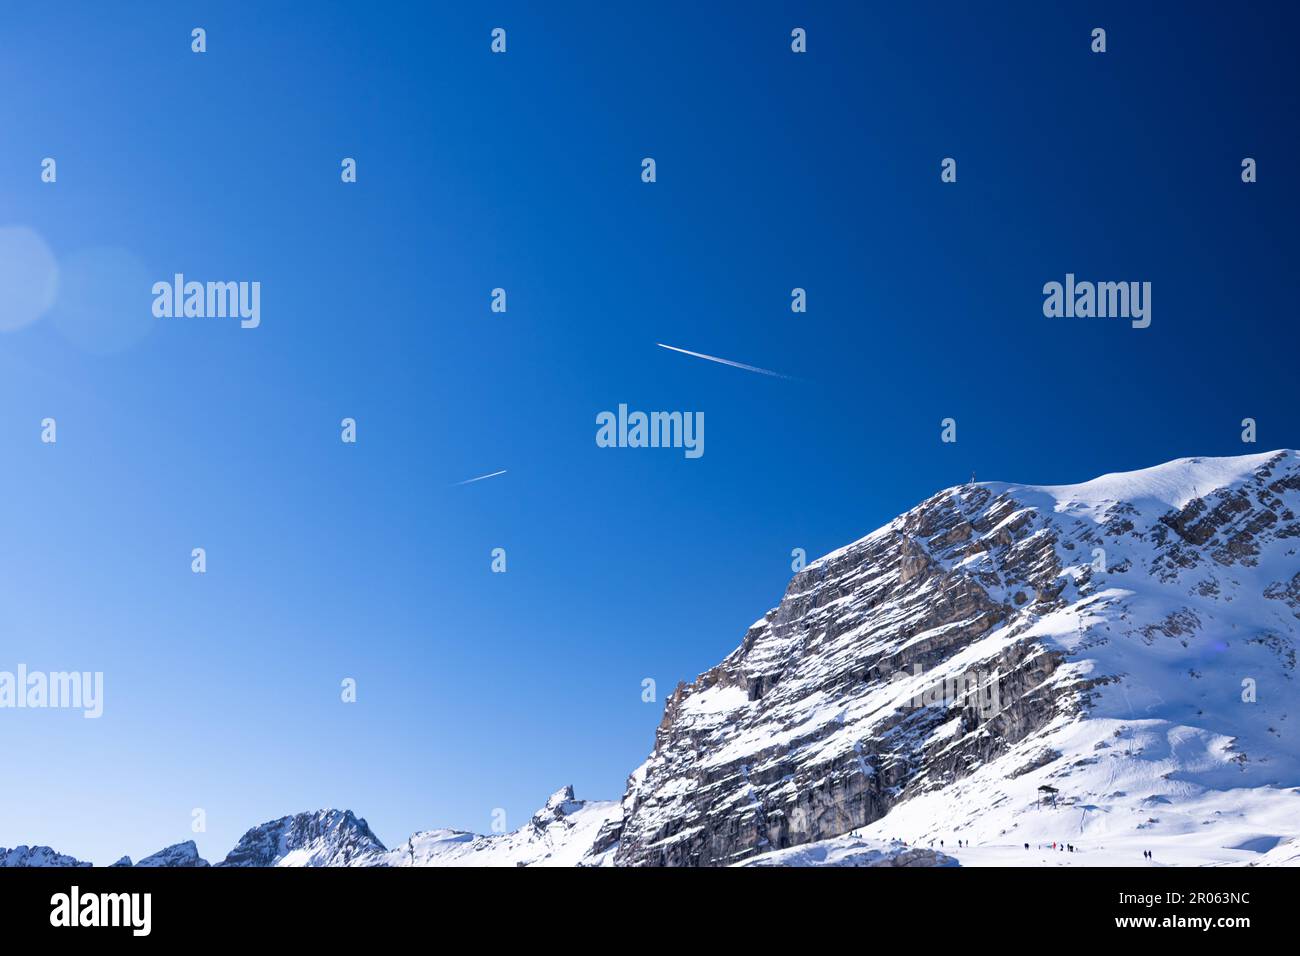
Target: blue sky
[(479, 690)]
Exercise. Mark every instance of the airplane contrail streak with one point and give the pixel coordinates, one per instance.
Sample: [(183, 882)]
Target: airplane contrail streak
[(481, 477), (722, 361)]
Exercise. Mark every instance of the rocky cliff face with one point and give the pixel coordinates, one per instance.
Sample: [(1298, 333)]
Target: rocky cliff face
[(967, 635)]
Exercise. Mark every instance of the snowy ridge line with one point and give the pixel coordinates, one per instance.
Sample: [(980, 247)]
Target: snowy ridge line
[(565, 832)]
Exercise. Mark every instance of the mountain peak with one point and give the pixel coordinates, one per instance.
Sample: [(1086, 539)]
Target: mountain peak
[(566, 831), (318, 838), (36, 856), (178, 854), (558, 805)]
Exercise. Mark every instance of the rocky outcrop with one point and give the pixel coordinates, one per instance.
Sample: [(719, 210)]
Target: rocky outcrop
[(853, 851)]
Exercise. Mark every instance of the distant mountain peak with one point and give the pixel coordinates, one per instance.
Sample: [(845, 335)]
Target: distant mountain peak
[(36, 856), (177, 855), (318, 838), (559, 798), (566, 831), (559, 805)]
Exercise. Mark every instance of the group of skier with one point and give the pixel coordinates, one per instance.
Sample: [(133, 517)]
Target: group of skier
[(960, 844), (1055, 846), (1060, 847)]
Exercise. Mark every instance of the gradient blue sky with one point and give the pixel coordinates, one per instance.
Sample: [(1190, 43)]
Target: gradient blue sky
[(480, 690)]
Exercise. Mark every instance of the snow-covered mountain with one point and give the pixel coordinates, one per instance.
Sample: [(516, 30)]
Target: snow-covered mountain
[(565, 832), (36, 856), (179, 854), (323, 838), (1006, 674), (1129, 642)]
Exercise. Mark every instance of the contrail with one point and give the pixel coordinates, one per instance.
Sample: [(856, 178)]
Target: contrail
[(722, 361), (481, 477)]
